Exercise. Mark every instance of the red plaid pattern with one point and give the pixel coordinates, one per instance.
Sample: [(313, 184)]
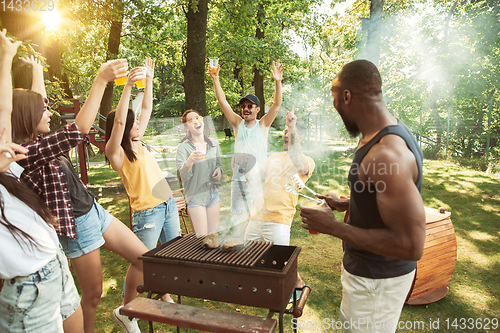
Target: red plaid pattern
[(44, 174)]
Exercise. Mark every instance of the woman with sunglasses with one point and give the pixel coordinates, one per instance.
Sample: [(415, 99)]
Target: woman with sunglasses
[(155, 212), (83, 225), (39, 294), (198, 164)]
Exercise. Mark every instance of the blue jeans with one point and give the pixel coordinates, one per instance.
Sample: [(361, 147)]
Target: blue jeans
[(212, 198), (40, 301), (89, 229), (161, 222)]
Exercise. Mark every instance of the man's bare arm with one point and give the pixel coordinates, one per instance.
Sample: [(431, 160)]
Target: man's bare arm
[(277, 74), (231, 116)]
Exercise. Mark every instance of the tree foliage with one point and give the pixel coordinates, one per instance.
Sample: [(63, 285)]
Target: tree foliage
[(439, 58)]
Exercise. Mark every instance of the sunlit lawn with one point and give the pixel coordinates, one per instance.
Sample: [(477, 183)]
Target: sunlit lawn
[(473, 198)]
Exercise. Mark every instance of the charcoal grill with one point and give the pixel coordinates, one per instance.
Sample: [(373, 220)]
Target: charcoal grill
[(260, 274)]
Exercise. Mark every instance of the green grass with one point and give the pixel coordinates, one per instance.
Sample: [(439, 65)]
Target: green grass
[(472, 197)]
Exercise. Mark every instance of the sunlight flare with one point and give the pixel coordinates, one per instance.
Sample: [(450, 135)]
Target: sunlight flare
[(51, 19)]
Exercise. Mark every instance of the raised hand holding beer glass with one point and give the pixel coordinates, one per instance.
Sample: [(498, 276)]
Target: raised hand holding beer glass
[(122, 65), (214, 64), (136, 74), (213, 67)]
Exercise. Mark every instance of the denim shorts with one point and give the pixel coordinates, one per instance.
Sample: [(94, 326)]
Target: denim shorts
[(89, 229), (212, 199), (40, 301), (160, 222)]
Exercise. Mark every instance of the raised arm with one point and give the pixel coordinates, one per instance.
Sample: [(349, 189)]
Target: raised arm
[(8, 150), (233, 118), (294, 145), (114, 151), (7, 52), (277, 74), (37, 84), (108, 72), (147, 100)]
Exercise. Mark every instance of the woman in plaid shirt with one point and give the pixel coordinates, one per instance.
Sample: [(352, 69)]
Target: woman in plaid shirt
[(38, 294), (83, 225)]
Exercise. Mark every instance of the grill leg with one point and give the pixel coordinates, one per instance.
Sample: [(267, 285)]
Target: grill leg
[(270, 315), (179, 301), (281, 320), (150, 295)]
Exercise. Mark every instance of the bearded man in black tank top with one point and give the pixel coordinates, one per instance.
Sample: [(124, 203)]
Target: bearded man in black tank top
[(385, 233)]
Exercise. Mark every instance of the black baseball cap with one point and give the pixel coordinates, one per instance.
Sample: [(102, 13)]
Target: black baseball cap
[(252, 98)]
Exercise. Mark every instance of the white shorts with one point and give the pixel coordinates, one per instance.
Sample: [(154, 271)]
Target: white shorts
[(373, 305), (277, 233)]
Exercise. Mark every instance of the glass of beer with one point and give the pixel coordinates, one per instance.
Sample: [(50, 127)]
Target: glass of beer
[(141, 83), (202, 148), (214, 62), (312, 204), (121, 81)]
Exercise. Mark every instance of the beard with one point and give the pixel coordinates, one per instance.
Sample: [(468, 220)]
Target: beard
[(350, 126)]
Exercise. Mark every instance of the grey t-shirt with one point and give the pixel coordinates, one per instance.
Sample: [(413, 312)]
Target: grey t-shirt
[(197, 183)]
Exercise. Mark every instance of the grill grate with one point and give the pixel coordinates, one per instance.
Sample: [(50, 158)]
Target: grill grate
[(190, 248)]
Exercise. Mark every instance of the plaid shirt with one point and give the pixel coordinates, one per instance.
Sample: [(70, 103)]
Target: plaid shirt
[(45, 175)]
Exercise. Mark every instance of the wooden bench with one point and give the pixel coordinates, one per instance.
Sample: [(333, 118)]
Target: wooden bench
[(207, 320)]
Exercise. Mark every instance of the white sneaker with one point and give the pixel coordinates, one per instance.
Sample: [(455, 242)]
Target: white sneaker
[(130, 326)]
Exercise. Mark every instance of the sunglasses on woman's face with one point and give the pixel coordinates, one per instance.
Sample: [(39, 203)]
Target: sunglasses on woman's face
[(199, 119), (46, 104)]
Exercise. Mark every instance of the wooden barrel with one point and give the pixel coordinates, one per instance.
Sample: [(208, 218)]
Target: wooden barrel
[(436, 267)]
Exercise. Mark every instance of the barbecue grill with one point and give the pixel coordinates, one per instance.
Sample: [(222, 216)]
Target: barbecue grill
[(260, 274)]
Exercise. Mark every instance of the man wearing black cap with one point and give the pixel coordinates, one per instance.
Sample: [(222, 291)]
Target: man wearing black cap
[(251, 138)]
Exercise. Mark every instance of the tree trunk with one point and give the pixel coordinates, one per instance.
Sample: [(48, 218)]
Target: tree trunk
[(237, 77), (54, 61), (258, 78), (374, 31), (259, 91), (163, 84), (113, 49), (194, 71), (25, 26)]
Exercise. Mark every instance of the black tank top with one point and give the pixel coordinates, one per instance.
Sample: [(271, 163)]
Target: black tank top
[(82, 200), (363, 212)]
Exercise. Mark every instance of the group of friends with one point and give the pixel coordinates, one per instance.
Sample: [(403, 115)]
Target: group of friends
[(47, 213)]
